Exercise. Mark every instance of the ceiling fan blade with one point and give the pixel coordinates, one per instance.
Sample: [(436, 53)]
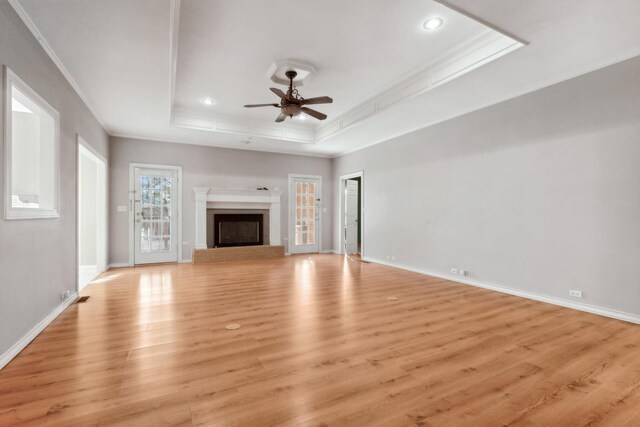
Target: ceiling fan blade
[(318, 100), (313, 113), (278, 92), (281, 118), (261, 105)]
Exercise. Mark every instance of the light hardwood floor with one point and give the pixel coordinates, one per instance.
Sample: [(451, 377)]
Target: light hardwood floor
[(320, 345)]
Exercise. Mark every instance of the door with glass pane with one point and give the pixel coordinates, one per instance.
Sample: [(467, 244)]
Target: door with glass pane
[(155, 215), (305, 199)]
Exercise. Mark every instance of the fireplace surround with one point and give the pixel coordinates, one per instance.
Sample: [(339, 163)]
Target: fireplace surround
[(237, 201)]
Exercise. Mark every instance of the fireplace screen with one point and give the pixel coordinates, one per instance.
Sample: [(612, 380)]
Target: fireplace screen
[(237, 229)]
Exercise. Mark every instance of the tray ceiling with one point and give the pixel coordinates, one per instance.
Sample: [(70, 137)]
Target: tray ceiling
[(145, 66)]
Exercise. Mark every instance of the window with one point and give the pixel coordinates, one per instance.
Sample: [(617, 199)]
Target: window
[(32, 130)]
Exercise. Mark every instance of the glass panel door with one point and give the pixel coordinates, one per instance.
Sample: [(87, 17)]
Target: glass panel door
[(155, 216), (305, 193)]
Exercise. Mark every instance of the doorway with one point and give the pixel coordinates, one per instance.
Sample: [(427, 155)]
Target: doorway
[(351, 230), (305, 213), (155, 214), (92, 214)]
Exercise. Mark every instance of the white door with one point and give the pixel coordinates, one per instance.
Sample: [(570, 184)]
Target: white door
[(155, 216), (305, 200), (351, 216)]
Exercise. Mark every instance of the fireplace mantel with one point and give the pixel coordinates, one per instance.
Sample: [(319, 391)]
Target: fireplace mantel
[(236, 198)]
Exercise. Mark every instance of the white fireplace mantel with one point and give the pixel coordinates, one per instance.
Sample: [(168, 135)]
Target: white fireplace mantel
[(224, 197)]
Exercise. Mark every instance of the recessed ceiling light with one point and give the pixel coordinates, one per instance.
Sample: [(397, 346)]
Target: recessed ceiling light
[(432, 24), (208, 101)]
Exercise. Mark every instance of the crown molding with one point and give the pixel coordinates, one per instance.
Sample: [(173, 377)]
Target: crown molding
[(22, 13), (235, 125), (529, 89), (249, 147), (189, 119), (477, 50), (468, 55)]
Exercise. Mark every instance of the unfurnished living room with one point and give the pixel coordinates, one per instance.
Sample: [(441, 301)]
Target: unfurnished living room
[(320, 213)]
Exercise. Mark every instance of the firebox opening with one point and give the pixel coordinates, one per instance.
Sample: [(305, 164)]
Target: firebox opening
[(238, 230)]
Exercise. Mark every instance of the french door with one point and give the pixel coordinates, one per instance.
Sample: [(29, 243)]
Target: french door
[(305, 200), (155, 215)]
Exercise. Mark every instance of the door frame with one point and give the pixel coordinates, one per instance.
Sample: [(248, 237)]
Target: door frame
[(103, 264), (291, 224), (342, 206), (132, 167)]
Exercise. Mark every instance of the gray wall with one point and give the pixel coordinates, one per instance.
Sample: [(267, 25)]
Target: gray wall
[(38, 257), (207, 167), (540, 193)]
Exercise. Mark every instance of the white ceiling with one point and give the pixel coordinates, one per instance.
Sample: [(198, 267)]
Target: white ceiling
[(356, 47), (144, 66)]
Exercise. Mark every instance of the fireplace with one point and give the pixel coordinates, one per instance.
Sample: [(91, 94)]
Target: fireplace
[(237, 229), (212, 201)]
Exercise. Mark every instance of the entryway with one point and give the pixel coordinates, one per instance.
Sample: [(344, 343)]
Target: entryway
[(305, 213), (92, 214), (351, 213), (155, 226)]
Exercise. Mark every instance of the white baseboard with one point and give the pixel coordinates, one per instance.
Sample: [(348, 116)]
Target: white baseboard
[(620, 315), (185, 261), (119, 265), (15, 349), (324, 251)]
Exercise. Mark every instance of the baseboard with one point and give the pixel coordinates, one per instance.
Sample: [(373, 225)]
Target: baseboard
[(15, 349), (620, 315), (185, 261), (328, 251), (119, 265)]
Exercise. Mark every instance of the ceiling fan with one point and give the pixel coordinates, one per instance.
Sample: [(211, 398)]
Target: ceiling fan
[(292, 104)]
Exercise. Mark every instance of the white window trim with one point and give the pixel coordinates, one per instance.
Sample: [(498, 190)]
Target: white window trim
[(12, 79)]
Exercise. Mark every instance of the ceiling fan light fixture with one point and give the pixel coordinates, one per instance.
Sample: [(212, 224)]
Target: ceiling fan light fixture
[(292, 104), (432, 24)]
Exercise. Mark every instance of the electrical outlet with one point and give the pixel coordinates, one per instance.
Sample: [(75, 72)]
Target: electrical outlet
[(574, 293), (64, 295), (454, 271), (388, 258), (462, 272), (393, 259)]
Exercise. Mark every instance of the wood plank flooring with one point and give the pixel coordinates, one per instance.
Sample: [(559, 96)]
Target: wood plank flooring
[(321, 344)]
